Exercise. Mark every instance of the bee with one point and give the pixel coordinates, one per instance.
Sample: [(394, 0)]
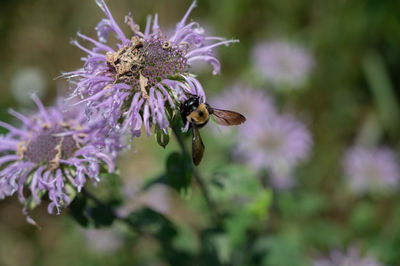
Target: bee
[(198, 114)]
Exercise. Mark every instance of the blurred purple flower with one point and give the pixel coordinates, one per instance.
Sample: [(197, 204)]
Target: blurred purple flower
[(103, 241), (351, 258), (145, 75), (371, 169), (157, 197), (53, 151), (253, 104), (277, 144), (283, 63)]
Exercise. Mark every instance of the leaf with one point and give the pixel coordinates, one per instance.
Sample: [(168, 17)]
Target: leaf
[(101, 216), (363, 217), (153, 222), (179, 171), (222, 247), (77, 210), (259, 207), (161, 137), (280, 250), (114, 186), (186, 240), (236, 227), (383, 91), (233, 182)]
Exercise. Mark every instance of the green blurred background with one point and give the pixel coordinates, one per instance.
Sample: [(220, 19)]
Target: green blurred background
[(355, 84)]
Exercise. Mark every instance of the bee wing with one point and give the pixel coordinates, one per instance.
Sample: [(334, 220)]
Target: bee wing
[(197, 146), (228, 118)]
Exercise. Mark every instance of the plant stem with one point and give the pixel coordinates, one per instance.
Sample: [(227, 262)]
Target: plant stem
[(116, 216), (198, 178)]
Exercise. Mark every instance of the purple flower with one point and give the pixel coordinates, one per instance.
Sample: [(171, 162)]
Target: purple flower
[(53, 152), (277, 144), (273, 142), (157, 197), (283, 63), (103, 241), (371, 169), (143, 79), (351, 258), (252, 103)]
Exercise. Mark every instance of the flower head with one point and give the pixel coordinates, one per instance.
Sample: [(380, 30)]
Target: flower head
[(103, 241), (283, 63), (157, 197), (253, 104), (53, 152), (144, 78), (351, 258), (369, 169), (277, 144)]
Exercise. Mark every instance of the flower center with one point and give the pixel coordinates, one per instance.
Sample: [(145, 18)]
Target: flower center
[(144, 63), (45, 147), (272, 142), (162, 60)]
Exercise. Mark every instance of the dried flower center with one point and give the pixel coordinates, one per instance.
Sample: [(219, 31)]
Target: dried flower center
[(128, 60), (45, 147), (144, 63)]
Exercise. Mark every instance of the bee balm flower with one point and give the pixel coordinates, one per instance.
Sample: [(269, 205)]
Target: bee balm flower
[(277, 144), (351, 258), (283, 63), (371, 169), (252, 103), (53, 152), (145, 76)]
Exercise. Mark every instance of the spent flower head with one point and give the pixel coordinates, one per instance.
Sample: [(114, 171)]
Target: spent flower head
[(54, 152), (371, 169), (350, 258), (145, 76), (283, 63)]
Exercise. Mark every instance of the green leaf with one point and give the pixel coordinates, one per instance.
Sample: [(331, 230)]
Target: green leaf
[(363, 217), (383, 91), (186, 240), (101, 216), (259, 207), (179, 171), (153, 222), (236, 227), (280, 250), (161, 137), (233, 182), (77, 210), (114, 186), (222, 247)]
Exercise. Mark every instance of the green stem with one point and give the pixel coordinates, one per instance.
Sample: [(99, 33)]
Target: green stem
[(198, 178), (112, 212)]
